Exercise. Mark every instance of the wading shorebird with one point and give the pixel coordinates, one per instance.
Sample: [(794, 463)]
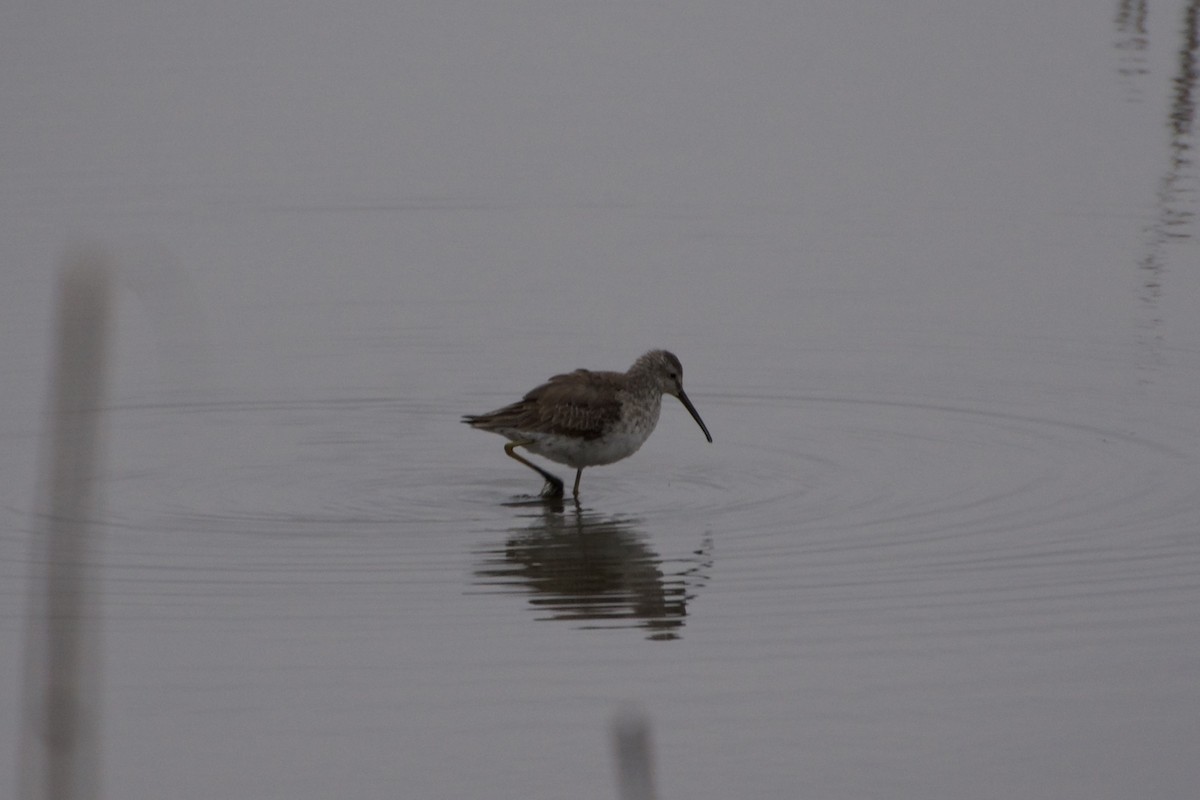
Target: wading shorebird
[(585, 419)]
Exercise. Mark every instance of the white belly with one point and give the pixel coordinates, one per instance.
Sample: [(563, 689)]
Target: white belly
[(579, 453)]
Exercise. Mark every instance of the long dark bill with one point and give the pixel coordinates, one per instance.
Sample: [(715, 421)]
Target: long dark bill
[(683, 398)]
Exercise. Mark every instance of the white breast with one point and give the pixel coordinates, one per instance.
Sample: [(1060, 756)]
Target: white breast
[(622, 441)]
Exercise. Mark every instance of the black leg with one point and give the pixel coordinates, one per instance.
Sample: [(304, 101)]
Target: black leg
[(554, 485), (578, 475)]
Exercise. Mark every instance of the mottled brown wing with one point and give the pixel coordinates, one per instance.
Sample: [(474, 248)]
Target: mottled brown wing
[(580, 403)]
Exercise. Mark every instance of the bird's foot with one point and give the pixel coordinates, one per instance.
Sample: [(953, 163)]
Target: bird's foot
[(553, 488)]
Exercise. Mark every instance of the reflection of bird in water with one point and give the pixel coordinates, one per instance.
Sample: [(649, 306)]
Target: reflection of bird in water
[(585, 419), (585, 568)]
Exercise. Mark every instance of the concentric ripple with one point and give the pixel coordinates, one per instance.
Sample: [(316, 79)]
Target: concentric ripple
[(920, 471), (907, 499)]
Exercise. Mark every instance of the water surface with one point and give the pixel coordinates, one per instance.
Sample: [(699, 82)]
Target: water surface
[(931, 272)]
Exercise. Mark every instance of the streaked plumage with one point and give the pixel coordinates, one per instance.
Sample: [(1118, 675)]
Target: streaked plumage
[(585, 419)]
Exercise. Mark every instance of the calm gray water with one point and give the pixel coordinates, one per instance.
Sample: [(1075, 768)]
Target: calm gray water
[(932, 273)]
